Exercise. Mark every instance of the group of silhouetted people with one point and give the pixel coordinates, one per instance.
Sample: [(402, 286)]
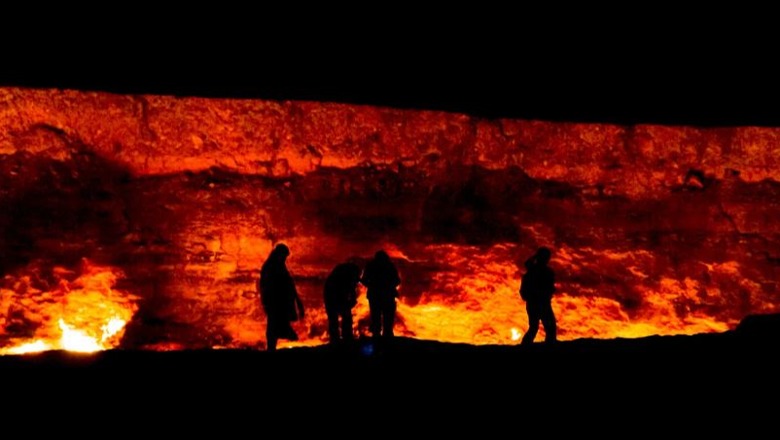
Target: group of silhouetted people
[(283, 306)]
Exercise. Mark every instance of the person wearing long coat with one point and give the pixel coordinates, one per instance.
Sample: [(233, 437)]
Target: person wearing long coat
[(279, 297)]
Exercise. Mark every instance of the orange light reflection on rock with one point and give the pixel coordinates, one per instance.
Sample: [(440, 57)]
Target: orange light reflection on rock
[(474, 299)]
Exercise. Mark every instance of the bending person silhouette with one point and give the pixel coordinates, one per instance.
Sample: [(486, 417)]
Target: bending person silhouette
[(381, 278), (279, 297), (340, 297), (537, 288)]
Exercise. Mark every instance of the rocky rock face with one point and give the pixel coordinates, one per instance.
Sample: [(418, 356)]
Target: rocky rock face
[(655, 230)]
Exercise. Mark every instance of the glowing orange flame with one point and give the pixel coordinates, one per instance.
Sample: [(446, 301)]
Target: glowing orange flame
[(77, 340), (607, 288), (479, 303), (474, 299), (28, 347), (84, 315)]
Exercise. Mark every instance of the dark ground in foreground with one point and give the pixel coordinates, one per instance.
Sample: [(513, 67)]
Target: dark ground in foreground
[(699, 384)]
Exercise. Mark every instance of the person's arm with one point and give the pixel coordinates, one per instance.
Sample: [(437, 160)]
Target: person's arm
[(396, 281), (530, 262), (290, 289), (366, 278), (261, 285), (352, 296), (299, 304), (552, 281), (352, 293)]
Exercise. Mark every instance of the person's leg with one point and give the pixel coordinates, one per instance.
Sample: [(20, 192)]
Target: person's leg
[(333, 326), (288, 332), (376, 318), (533, 323), (346, 325), (388, 318), (270, 334), (550, 326)]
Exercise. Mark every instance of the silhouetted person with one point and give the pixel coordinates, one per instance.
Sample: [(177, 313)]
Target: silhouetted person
[(537, 288), (381, 278), (340, 295), (279, 297)]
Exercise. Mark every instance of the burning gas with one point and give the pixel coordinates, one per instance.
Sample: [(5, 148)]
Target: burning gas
[(74, 311), (473, 297), (655, 230)]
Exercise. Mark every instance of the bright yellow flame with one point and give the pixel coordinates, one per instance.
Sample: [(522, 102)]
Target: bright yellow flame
[(473, 298), (82, 315), (72, 339), (112, 327), (77, 340), (30, 347)]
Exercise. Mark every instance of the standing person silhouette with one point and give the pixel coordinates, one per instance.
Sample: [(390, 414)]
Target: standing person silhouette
[(279, 297), (537, 288), (382, 280), (340, 294)]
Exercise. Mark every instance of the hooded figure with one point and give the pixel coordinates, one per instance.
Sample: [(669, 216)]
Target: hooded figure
[(279, 297)]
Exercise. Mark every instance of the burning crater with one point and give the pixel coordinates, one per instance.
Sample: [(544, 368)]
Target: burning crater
[(141, 221)]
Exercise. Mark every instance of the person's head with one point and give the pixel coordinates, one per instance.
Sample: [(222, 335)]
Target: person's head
[(280, 252), (352, 271), (381, 256), (543, 255), (356, 260)]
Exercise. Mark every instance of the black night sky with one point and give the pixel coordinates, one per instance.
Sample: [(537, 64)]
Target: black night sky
[(562, 70), (656, 66)]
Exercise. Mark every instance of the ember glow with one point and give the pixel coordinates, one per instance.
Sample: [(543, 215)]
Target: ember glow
[(82, 315), (474, 299), (176, 202)]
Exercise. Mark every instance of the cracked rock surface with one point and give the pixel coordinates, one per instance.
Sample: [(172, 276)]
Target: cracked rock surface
[(656, 229)]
